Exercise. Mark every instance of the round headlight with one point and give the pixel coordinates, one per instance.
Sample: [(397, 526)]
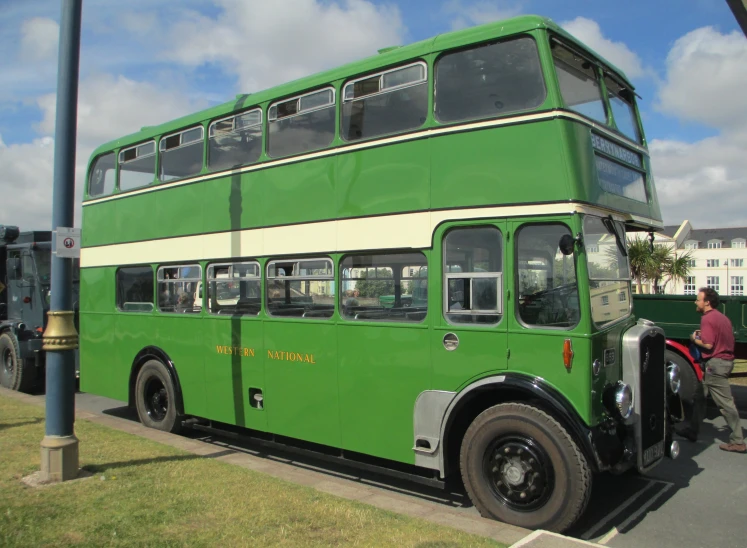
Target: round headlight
[(673, 372), (624, 400)]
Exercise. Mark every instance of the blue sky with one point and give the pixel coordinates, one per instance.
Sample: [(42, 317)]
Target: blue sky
[(144, 62)]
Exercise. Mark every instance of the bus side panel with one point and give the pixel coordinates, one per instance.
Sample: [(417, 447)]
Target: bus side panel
[(298, 192), (384, 179), (383, 369), (234, 364), (134, 219), (104, 217), (498, 166), (103, 370), (181, 337), (301, 399), (233, 202), (178, 211)]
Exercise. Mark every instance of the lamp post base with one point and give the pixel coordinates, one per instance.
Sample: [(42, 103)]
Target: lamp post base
[(59, 458)]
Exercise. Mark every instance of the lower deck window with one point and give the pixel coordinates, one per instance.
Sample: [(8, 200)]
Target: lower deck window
[(233, 289), (134, 288), (391, 287), (301, 288), (178, 289)]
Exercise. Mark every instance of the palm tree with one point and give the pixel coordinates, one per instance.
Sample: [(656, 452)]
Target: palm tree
[(639, 256), (679, 268)]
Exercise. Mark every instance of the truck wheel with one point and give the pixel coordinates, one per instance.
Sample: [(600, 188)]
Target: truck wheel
[(520, 466), (155, 398), (15, 373), (688, 378)]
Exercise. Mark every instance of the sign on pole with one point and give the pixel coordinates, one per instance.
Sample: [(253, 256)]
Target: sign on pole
[(68, 243)]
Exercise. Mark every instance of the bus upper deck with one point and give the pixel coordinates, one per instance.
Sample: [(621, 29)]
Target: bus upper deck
[(502, 114)]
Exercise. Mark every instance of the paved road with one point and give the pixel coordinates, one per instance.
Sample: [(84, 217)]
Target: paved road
[(698, 500)]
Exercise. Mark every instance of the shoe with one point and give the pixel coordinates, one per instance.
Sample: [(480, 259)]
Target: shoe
[(733, 447), (687, 434)]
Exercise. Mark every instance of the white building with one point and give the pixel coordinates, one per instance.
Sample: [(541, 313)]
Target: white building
[(718, 258)]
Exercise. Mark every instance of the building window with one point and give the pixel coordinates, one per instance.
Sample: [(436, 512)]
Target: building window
[(691, 244), (737, 285), (622, 296), (712, 282), (736, 262), (738, 243), (690, 286), (691, 263), (593, 248), (714, 244), (712, 263)]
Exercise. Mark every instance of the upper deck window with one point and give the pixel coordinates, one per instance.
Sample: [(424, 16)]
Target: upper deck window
[(137, 166), (621, 102), (579, 83), (181, 154), (388, 102), (235, 141), (101, 180), (301, 124), (489, 80)]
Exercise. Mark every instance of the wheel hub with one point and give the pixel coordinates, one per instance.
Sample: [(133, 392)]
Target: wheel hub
[(7, 361), (156, 400), (519, 473)]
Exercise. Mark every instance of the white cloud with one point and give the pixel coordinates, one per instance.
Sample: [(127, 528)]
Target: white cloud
[(478, 13), (108, 108), (706, 79), (617, 53), (265, 45), (39, 39)]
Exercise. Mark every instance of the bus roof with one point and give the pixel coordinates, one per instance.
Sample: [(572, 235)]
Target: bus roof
[(387, 57)]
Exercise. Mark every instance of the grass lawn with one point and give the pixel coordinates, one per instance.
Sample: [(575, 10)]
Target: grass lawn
[(147, 494)]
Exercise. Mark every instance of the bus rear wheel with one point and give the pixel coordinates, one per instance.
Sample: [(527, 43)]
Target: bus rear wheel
[(520, 466), (155, 398)]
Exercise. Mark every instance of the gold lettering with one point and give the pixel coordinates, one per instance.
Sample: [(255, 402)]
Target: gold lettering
[(269, 354), (292, 356), (277, 355), (219, 349), (251, 352)]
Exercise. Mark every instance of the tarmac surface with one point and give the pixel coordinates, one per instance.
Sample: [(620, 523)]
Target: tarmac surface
[(698, 500)]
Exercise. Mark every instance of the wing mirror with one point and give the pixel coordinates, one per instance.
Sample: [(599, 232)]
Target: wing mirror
[(568, 242)]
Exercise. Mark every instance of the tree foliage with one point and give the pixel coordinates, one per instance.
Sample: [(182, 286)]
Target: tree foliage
[(657, 264)]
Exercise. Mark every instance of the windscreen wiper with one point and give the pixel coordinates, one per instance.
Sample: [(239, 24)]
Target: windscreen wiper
[(609, 224)]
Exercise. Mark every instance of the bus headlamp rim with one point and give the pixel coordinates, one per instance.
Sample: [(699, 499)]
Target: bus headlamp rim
[(624, 400)]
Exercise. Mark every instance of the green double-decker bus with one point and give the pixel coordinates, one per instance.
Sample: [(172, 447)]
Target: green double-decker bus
[(417, 259)]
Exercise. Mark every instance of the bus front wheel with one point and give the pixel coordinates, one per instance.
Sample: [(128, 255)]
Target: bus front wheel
[(155, 398), (520, 466)]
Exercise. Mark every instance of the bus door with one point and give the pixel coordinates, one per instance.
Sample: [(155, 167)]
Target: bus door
[(300, 350), (546, 311), (469, 334)]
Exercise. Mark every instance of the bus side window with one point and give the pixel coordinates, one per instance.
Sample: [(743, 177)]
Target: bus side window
[(473, 275), (234, 289), (134, 288)]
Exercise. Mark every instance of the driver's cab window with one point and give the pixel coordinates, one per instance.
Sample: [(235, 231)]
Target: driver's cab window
[(473, 275), (546, 277), (28, 267)]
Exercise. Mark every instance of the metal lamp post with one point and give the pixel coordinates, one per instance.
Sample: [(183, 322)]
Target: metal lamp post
[(59, 448)]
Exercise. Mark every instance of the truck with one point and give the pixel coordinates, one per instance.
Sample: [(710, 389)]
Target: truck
[(677, 316), (25, 282)]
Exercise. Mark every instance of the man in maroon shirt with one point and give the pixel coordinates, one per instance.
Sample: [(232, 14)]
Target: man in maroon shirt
[(716, 341)]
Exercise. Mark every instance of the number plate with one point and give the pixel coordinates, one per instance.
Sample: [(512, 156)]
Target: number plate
[(653, 453)]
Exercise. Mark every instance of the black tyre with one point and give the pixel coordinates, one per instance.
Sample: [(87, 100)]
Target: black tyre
[(520, 466), (155, 398), (15, 373), (688, 379)]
